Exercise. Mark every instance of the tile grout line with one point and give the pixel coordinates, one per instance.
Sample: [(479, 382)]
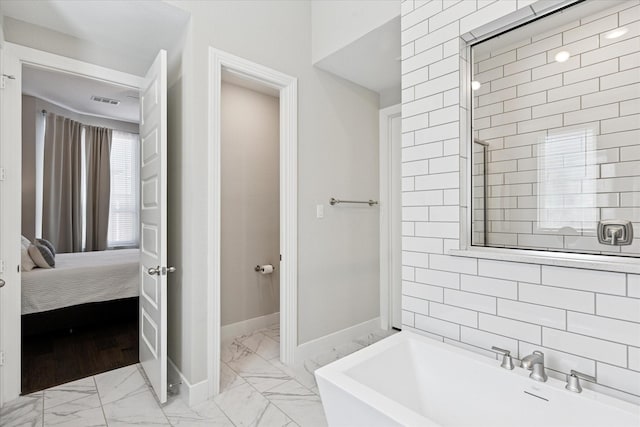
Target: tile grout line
[(95, 383)]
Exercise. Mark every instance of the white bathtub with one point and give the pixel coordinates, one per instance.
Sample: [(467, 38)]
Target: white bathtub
[(411, 380)]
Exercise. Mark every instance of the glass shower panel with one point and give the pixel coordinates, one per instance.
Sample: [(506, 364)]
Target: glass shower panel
[(556, 127)]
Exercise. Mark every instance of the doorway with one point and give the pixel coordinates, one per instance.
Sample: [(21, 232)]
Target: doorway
[(390, 218), (80, 215), (151, 271), (224, 65), (250, 219)]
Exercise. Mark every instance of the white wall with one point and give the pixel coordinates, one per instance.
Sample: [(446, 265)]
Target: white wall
[(338, 156), (250, 203), (582, 319), (37, 37), (337, 23)]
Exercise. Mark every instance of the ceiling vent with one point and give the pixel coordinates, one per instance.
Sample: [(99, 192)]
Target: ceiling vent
[(104, 100)]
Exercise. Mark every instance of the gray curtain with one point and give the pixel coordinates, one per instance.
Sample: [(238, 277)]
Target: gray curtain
[(98, 155), (62, 203)]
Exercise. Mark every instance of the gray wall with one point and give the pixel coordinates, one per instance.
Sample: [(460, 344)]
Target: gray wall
[(250, 224), (31, 108)]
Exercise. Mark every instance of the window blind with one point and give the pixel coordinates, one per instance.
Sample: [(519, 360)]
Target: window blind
[(124, 211)]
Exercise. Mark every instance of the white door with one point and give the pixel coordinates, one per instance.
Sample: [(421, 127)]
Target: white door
[(395, 213), (2, 280), (10, 214), (153, 226)]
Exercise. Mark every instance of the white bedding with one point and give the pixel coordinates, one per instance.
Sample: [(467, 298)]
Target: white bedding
[(80, 278)]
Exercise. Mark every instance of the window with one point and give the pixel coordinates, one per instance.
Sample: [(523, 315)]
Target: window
[(124, 210)]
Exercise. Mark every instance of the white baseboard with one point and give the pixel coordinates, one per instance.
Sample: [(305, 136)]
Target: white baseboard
[(325, 344), (192, 394), (228, 332)]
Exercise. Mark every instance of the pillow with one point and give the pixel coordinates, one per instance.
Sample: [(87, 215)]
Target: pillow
[(48, 244), (41, 255), (26, 263)]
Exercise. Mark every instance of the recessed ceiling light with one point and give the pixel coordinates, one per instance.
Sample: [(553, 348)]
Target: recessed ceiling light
[(562, 56), (475, 85), (618, 32)]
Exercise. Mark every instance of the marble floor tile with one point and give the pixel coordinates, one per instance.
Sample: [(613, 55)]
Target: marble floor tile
[(205, 414), (120, 383), (300, 374), (336, 353), (299, 403), (374, 337), (135, 409), (245, 406), (234, 351), (69, 392), (229, 378), (83, 412), (25, 411), (272, 331), (262, 345), (258, 372), (257, 390)]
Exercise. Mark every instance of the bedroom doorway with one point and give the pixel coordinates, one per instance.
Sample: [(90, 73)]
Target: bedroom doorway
[(151, 271), (80, 227)]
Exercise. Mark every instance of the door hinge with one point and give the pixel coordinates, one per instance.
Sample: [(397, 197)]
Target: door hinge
[(1, 358), (3, 174)]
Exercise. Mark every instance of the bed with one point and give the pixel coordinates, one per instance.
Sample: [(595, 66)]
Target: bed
[(82, 278)]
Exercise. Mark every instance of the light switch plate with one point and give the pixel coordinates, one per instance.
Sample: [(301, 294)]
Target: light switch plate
[(319, 211)]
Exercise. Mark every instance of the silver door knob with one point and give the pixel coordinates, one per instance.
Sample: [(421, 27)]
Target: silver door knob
[(2, 283), (171, 269), (154, 271)]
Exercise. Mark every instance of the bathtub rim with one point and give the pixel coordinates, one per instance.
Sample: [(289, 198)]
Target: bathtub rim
[(335, 373)]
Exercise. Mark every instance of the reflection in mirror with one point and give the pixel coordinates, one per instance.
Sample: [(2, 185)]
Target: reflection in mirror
[(556, 127)]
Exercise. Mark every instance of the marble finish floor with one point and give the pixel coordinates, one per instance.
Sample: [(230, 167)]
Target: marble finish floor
[(256, 390)]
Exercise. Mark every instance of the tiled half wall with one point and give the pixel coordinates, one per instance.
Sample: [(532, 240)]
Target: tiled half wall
[(582, 319)]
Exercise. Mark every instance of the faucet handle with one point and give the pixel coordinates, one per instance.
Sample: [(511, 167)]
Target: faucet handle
[(507, 362), (573, 381)]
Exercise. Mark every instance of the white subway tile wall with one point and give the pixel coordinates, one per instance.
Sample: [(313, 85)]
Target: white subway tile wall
[(548, 124), (582, 319)]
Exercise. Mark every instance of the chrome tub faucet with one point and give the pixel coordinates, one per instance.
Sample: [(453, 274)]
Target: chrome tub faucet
[(535, 363)]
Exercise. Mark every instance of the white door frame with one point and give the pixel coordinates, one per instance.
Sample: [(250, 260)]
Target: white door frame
[(288, 88), (10, 143), (388, 262)]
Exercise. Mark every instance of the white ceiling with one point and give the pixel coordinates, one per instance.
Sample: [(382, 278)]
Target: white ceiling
[(137, 28), (373, 61), (74, 93)]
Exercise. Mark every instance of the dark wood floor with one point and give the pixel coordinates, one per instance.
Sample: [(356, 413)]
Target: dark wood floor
[(54, 358)]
